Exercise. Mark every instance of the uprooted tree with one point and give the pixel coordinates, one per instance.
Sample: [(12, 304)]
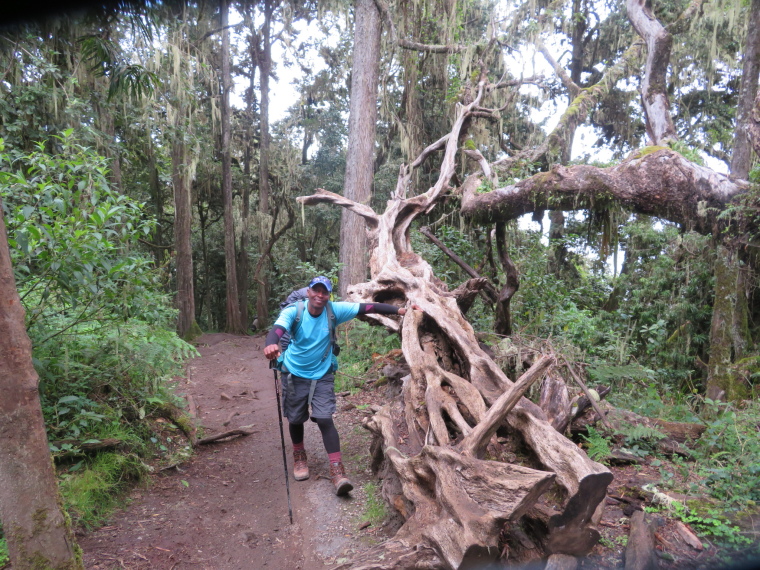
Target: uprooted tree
[(456, 397), (431, 440)]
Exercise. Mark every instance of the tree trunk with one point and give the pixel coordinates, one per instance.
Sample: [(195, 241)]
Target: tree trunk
[(234, 322), (37, 532), (729, 331), (654, 182), (503, 321), (741, 157), (187, 327), (362, 121), (265, 69)]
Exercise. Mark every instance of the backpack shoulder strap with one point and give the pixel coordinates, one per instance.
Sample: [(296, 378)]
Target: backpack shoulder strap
[(299, 315), (331, 320), (331, 325)]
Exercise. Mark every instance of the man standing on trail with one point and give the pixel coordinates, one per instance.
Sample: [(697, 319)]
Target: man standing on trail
[(308, 370)]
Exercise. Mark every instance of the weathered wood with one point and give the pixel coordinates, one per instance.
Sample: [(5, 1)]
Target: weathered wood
[(489, 291), (460, 503), (466, 292), (682, 432), (584, 402), (474, 444), (88, 446), (561, 562), (503, 321), (639, 552), (241, 431), (688, 536), (555, 402)]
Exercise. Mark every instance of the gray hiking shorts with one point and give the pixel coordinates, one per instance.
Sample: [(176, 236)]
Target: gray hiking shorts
[(295, 397)]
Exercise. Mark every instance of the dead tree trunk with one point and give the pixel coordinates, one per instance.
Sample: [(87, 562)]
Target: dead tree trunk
[(455, 398)]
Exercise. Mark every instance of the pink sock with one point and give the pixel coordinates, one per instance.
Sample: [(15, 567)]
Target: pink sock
[(334, 457), (298, 447)]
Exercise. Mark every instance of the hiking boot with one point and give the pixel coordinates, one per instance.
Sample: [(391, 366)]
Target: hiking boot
[(339, 479), (300, 467)]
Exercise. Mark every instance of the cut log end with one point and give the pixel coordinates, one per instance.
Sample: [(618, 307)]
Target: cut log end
[(572, 532)]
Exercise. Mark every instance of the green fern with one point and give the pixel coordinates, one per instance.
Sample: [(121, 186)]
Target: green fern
[(598, 446), (640, 433)]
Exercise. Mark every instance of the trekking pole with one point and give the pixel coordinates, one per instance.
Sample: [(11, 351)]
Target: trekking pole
[(282, 436)]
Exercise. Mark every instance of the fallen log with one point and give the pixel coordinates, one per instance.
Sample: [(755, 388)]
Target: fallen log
[(639, 552), (241, 431), (459, 504), (77, 447)]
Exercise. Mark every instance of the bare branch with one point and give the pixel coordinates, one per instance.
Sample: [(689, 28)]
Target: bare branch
[(569, 84), (577, 111), (322, 196), (654, 95)]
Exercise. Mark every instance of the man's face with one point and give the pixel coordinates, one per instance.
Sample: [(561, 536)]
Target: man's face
[(318, 296)]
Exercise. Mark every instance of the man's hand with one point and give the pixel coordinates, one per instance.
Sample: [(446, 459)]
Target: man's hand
[(272, 351), (402, 310)]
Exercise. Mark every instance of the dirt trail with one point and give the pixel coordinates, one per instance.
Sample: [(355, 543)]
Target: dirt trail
[(227, 507)]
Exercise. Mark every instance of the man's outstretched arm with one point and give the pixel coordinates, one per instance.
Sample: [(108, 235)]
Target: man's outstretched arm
[(272, 343), (384, 309)]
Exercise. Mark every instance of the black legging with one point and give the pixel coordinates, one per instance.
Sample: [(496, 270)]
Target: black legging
[(329, 434)]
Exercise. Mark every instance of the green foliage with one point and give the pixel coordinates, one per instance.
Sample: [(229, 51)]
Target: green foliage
[(92, 491), (728, 453), (687, 152), (96, 314), (374, 510), (598, 446), (711, 523), (103, 383), (72, 239), (359, 342), (4, 558)]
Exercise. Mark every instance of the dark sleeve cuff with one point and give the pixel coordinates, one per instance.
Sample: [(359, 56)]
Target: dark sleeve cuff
[(379, 308), (274, 335)]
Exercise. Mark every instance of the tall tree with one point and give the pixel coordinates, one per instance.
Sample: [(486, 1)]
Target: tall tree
[(362, 122), (37, 531), (234, 322), (741, 156), (263, 56), (182, 111)]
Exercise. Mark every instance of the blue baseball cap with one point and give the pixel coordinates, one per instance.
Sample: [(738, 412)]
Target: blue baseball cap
[(324, 281)]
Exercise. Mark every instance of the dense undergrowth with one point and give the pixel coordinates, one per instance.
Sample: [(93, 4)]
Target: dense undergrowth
[(99, 318)]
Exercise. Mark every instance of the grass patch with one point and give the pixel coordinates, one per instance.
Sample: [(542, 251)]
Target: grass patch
[(375, 510), (4, 558), (92, 490)]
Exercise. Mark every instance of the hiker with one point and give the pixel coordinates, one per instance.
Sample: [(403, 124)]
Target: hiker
[(308, 367)]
